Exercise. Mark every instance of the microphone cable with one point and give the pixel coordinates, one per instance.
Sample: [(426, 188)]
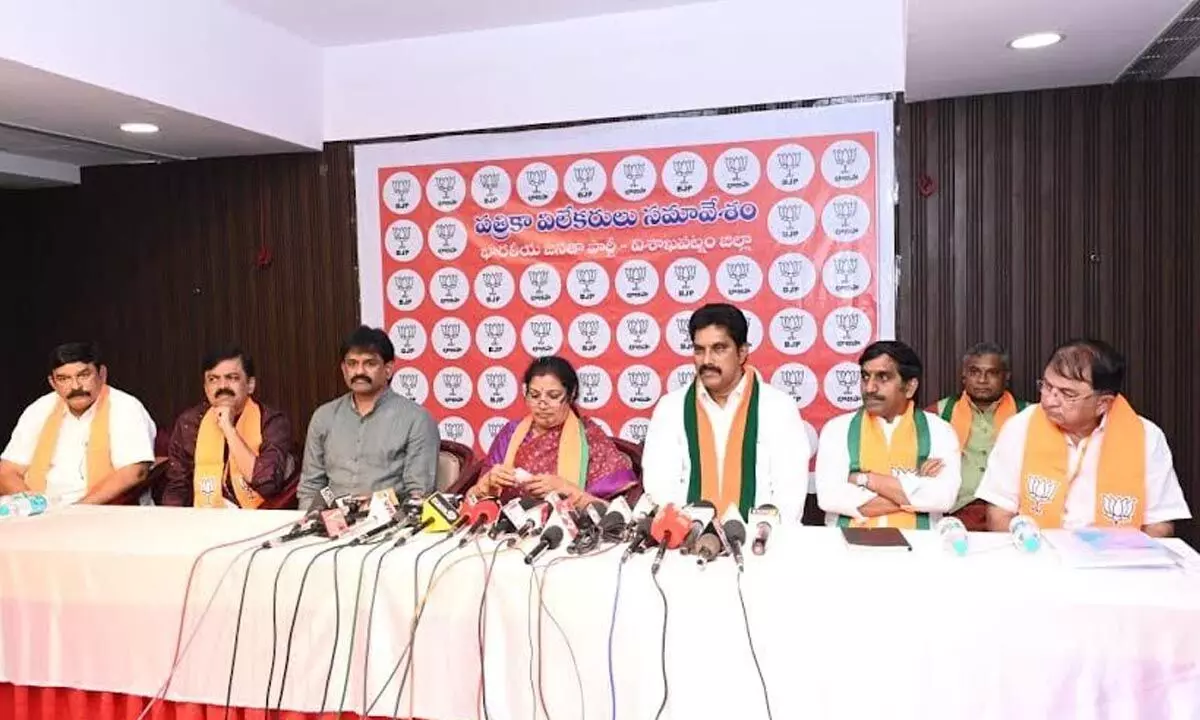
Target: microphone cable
[(275, 620), (663, 652), (287, 654), (237, 629), (181, 648), (612, 628), (362, 568), (337, 622), (750, 641), (482, 625)]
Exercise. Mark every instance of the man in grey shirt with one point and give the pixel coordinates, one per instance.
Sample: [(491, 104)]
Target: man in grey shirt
[(370, 438)]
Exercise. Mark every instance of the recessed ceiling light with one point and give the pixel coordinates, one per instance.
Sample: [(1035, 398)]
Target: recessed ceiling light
[(1033, 41), (140, 128)]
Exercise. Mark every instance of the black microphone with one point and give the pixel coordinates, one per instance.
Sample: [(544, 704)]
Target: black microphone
[(551, 538), (701, 514), (511, 518), (612, 525), (707, 548), (735, 535)]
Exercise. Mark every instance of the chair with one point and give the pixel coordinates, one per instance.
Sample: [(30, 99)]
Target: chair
[(456, 466), (286, 500), (155, 478), (634, 452)]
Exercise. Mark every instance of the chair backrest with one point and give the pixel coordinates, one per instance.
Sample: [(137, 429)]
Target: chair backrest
[(286, 500), (634, 452), (454, 460)]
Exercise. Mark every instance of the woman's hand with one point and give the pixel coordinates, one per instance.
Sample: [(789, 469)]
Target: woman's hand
[(546, 483), (501, 477)]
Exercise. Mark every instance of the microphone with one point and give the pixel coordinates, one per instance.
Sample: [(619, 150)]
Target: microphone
[(614, 522), (550, 539), (564, 510), (735, 535), (707, 548), (953, 534), (536, 517), (590, 516), (438, 514), (669, 529), (510, 519), (764, 518), (588, 520), (645, 507), (701, 514), (1025, 533), (484, 512)]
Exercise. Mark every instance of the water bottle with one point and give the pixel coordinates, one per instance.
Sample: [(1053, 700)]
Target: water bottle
[(22, 504), (953, 534), (1025, 533)]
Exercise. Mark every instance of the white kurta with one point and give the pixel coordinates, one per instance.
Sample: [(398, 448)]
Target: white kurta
[(131, 440), (783, 452), (934, 495)]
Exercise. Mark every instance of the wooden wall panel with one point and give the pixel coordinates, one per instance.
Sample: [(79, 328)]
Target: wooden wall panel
[(1056, 214)]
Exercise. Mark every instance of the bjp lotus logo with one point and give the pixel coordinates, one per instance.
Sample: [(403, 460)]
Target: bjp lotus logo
[(1118, 508), (1040, 490)]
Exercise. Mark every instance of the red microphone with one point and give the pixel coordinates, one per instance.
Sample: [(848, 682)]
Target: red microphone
[(669, 528), (481, 514)]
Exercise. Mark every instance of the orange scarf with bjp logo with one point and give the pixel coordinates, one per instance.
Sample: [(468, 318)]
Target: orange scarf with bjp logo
[(99, 458), (211, 466)]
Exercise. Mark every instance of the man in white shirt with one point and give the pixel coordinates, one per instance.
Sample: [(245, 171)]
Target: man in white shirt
[(1082, 456), (728, 438), (85, 442), (888, 463)]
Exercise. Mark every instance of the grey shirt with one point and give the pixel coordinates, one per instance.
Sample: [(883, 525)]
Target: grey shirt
[(393, 446)]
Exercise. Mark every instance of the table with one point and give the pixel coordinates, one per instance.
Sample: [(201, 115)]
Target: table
[(90, 599)]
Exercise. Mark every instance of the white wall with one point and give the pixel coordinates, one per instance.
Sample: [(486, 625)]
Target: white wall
[(198, 56), (688, 57)]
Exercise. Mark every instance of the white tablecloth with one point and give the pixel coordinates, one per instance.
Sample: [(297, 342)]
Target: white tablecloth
[(90, 598)]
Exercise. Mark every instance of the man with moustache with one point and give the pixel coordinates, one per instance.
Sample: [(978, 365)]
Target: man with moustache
[(728, 437), (84, 442), (1083, 457), (370, 438), (229, 451), (889, 463), (977, 414)]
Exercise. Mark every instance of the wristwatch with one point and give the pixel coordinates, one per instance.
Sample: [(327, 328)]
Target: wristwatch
[(862, 479)]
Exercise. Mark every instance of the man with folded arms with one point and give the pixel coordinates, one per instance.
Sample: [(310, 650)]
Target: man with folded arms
[(889, 463), (728, 437), (977, 414), (85, 442), (229, 451), (1083, 456), (371, 438)]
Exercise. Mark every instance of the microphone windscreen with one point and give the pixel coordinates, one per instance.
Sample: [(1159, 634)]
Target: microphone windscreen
[(486, 510), (440, 513), (708, 547)]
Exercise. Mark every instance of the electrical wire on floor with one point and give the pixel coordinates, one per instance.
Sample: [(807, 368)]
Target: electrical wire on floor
[(362, 568), (482, 626), (275, 621), (237, 629), (181, 647), (753, 653), (287, 654)]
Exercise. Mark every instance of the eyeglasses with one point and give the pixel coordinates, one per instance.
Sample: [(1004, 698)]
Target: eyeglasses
[(1067, 397), (547, 400)]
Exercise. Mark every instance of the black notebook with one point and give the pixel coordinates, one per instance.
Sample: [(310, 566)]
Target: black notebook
[(885, 538)]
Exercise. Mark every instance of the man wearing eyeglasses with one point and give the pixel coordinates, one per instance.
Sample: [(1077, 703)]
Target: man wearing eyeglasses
[(1083, 457), (977, 414)]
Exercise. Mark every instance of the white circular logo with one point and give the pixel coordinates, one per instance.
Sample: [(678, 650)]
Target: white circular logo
[(494, 287), (491, 187), (452, 388), (678, 336), (793, 331), (634, 177), (446, 189), (637, 334), (637, 282), (634, 430), (448, 288), (754, 330), (792, 276), (537, 184), (814, 439), (541, 336), (686, 280), (540, 285), (589, 335), (489, 430), (451, 338), (403, 240), (402, 192), (847, 330), (796, 380), (448, 238), (497, 387), (587, 284), (496, 337), (595, 387), (739, 278), (843, 386), (790, 167), (845, 163), (605, 427), (639, 387), (405, 290), (411, 383), (845, 218), (681, 377), (455, 429), (685, 174), (408, 337), (846, 274), (791, 221), (585, 181), (737, 171)]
